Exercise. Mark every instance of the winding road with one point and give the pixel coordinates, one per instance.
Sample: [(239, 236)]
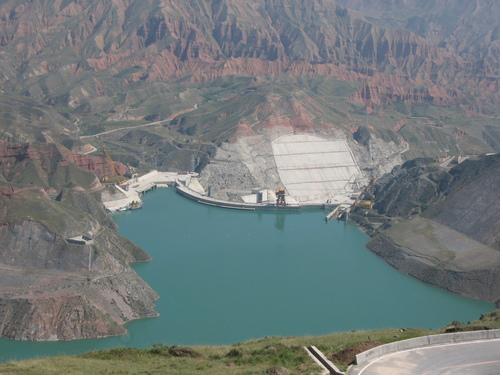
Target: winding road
[(464, 358), (173, 116)]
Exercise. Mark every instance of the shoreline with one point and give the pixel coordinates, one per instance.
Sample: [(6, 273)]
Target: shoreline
[(206, 200), (126, 326), (181, 183), (134, 188), (346, 339)]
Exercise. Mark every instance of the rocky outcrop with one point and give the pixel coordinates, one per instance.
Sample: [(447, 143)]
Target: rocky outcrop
[(81, 309), (480, 283), (54, 318), (51, 164), (439, 223), (409, 189), (73, 291), (173, 39), (464, 197), (51, 288), (362, 135), (238, 67), (472, 201)]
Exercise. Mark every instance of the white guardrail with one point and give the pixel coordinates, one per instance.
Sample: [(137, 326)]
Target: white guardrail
[(418, 342)]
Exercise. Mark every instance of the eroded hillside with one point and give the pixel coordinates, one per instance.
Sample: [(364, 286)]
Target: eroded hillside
[(440, 223), (426, 73), (182, 85), (50, 286)]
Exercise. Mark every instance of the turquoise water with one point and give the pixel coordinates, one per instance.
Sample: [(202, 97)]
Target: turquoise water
[(225, 276)]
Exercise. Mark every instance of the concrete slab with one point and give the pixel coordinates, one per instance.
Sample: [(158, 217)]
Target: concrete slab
[(125, 199), (194, 184), (314, 170), (470, 358), (267, 196)]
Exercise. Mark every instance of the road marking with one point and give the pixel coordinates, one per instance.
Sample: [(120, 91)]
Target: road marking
[(470, 365), (425, 348)]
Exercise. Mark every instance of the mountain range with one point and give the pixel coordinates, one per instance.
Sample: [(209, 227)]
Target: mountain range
[(93, 90)]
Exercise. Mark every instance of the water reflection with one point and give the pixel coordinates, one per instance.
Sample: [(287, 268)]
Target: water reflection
[(225, 276), (280, 221)]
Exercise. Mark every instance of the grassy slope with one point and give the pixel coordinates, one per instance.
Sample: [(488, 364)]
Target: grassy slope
[(25, 119), (226, 102), (265, 356), (222, 104)]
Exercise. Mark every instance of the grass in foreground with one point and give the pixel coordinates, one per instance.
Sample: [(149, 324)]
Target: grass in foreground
[(276, 355)]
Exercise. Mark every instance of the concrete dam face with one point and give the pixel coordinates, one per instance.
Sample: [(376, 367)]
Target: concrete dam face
[(314, 169)]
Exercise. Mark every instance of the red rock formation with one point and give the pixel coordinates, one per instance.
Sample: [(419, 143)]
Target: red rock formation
[(50, 156), (176, 39)]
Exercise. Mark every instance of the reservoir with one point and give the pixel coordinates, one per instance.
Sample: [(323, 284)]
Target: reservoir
[(226, 276)]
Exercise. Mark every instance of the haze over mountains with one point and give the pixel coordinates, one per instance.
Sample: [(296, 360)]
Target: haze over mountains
[(428, 43), (99, 62), (403, 78)]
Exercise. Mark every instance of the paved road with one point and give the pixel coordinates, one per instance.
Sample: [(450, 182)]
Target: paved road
[(176, 114), (476, 357)]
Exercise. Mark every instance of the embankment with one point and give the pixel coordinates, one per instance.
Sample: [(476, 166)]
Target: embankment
[(189, 193), (439, 224), (476, 283), (272, 355)]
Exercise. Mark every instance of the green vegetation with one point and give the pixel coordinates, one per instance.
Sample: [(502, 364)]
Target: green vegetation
[(274, 355), (310, 102), (25, 119), (318, 102)]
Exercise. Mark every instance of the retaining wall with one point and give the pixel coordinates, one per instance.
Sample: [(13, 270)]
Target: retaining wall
[(418, 342), (189, 193)]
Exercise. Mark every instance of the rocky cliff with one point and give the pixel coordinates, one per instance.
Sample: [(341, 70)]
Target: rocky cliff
[(422, 76), (440, 223), (427, 73), (51, 164), (50, 287), (205, 40)]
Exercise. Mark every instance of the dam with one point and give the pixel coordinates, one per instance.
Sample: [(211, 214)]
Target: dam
[(226, 276), (315, 169)]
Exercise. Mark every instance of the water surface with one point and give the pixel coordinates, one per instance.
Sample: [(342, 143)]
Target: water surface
[(225, 276)]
